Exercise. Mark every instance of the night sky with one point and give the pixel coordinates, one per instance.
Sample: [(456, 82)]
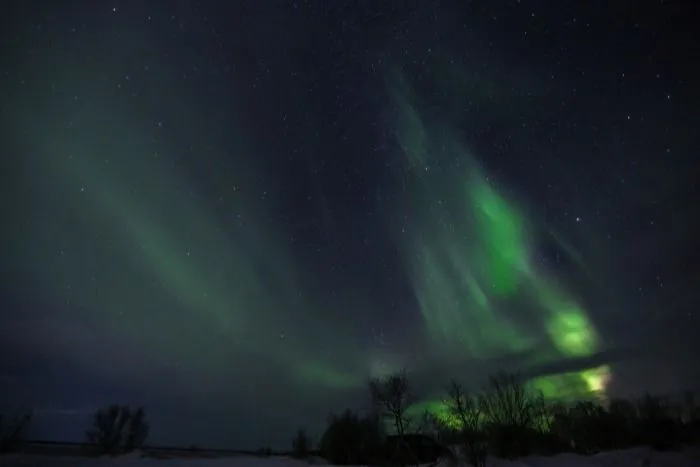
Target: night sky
[(235, 213)]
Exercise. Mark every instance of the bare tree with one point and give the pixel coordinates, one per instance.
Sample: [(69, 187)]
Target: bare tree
[(468, 409), (465, 407), (507, 401), (510, 411), (391, 399)]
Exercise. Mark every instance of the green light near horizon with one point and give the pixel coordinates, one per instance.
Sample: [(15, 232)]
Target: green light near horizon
[(598, 379), (438, 409), (564, 387), (572, 386)]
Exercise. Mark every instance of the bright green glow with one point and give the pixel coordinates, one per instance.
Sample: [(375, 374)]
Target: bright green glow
[(501, 232), (469, 256), (598, 379), (568, 326), (572, 333)]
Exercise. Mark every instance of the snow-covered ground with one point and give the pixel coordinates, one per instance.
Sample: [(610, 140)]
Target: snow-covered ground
[(640, 457)]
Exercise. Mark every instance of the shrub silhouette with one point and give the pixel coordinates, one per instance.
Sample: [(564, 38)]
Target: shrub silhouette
[(650, 421), (351, 439), (657, 426), (118, 429), (301, 445)]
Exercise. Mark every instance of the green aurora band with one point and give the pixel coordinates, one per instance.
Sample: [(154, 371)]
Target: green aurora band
[(172, 280), (202, 287), (467, 250)]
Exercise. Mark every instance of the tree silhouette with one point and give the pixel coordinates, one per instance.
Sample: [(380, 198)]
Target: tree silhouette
[(117, 429), (301, 445)]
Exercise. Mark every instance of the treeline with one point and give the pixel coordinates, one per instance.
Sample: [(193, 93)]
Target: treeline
[(115, 430), (506, 420)]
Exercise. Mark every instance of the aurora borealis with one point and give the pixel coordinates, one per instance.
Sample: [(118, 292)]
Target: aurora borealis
[(469, 257), (234, 215)]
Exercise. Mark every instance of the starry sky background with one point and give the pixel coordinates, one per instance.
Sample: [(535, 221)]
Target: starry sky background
[(234, 213)]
